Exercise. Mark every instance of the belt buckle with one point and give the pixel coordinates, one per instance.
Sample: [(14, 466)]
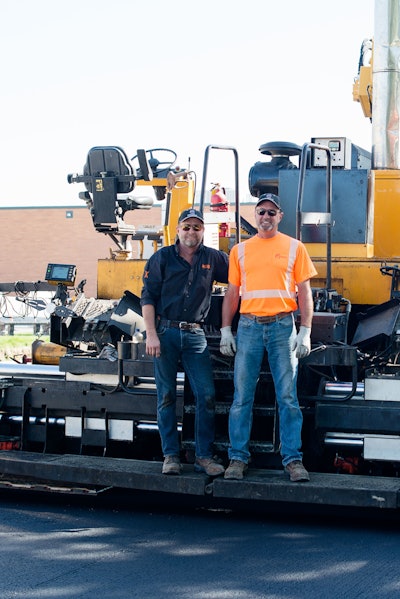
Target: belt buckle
[(263, 319), (183, 324)]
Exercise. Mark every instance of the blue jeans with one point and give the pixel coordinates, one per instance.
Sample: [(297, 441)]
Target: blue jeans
[(252, 339), (189, 347)]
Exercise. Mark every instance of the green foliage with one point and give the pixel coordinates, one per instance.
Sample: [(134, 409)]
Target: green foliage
[(12, 341), (13, 347)]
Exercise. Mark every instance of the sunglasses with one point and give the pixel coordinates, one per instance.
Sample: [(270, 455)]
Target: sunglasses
[(194, 227), (263, 211)]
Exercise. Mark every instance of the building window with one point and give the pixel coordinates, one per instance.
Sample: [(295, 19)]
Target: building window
[(69, 214)]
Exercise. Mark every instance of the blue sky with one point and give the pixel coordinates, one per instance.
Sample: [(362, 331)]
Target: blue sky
[(180, 74)]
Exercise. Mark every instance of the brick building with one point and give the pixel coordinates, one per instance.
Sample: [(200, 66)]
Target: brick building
[(35, 236)]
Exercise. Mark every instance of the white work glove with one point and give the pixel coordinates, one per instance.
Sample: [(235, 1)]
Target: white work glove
[(302, 342), (227, 346)]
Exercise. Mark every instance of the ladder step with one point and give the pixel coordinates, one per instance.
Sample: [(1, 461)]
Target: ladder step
[(316, 218)]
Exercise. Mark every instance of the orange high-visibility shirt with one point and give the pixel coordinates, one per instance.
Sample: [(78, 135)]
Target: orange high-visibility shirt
[(268, 271)]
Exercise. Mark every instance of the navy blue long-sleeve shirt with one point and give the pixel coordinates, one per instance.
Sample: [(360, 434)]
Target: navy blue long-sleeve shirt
[(179, 290)]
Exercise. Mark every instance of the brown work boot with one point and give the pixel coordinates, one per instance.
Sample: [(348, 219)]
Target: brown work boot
[(235, 470), (297, 472), (209, 466), (172, 465)]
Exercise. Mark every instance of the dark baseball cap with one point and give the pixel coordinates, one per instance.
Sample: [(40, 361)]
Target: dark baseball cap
[(191, 213), (269, 197)]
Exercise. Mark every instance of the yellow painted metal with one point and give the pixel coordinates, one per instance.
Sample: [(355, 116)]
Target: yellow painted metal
[(359, 281), (114, 277), (182, 198), (386, 189), (224, 244), (341, 250), (362, 90), (47, 352), (152, 183)]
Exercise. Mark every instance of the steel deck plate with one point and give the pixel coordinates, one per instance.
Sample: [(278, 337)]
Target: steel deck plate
[(322, 489), (100, 471), (258, 485)]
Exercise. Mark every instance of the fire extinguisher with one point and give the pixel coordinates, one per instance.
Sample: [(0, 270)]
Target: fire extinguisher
[(219, 203)]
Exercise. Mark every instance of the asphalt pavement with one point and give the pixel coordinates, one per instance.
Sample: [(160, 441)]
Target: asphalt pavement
[(114, 547)]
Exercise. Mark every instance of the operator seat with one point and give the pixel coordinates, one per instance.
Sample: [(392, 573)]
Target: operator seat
[(109, 179)]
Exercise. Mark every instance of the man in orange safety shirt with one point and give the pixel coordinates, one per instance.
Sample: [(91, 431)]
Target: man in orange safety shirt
[(270, 274)]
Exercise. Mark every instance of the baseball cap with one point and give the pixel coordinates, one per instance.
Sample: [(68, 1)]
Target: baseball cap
[(191, 213), (269, 197)]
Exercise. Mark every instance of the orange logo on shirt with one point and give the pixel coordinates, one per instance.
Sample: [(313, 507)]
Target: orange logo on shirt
[(206, 266)]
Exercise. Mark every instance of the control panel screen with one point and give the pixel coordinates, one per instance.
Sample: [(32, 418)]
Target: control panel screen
[(61, 273)]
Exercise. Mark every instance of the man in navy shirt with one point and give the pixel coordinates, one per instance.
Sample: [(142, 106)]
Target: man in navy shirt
[(176, 298)]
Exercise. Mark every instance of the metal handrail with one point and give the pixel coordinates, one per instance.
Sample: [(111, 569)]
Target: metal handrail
[(204, 182), (324, 218)]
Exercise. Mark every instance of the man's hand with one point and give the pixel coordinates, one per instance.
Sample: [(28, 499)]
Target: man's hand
[(302, 342), (153, 346), (227, 346)]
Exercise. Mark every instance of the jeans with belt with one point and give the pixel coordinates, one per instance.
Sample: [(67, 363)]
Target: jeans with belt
[(190, 348), (252, 339)]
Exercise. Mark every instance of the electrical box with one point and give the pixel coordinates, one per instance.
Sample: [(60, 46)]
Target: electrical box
[(340, 148), (345, 155)]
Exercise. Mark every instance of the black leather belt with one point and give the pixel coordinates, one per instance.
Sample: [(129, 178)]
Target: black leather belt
[(180, 324), (267, 319)]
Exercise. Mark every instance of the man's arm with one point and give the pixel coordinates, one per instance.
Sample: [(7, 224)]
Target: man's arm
[(152, 340), (302, 342), (152, 286), (306, 305), (221, 276), (230, 304), (229, 308)]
